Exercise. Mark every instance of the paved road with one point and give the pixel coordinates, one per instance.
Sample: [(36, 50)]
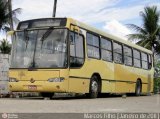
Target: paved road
[(81, 105)]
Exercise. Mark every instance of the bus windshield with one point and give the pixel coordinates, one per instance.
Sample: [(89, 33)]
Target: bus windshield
[(40, 48)]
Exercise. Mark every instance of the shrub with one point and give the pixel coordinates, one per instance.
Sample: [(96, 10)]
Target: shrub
[(156, 85), (5, 47)]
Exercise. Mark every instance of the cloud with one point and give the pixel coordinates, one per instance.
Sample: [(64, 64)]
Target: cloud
[(95, 11), (116, 28), (118, 13), (33, 8), (105, 12), (69, 8), (81, 7)]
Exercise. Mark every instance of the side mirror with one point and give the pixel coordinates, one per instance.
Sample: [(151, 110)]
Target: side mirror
[(10, 33)]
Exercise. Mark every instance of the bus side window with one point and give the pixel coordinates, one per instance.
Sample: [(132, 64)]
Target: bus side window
[(136, 58), (118, 55), (76, 50), (144, 58), (149, 62), (106, 49), (93, 43), (128, 55), (72, 44)]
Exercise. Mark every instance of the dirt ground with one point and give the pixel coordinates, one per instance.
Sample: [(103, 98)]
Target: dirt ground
[(106, 104)]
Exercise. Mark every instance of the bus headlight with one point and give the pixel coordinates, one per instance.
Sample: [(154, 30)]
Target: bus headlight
[(60, 79), (13, 80)]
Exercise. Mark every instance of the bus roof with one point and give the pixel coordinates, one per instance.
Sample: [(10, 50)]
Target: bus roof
[(105, 34)]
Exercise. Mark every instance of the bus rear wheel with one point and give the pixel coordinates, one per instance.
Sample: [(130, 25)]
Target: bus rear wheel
[(94, 87), (47, 95), (138, 89)]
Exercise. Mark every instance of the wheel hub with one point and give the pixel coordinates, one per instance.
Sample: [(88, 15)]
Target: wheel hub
[(94, 86)]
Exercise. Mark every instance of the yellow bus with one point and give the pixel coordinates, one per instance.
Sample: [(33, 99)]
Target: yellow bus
[(63, 55)]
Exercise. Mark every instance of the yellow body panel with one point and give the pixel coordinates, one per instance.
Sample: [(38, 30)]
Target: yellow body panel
[(78, 85), (25, 75), (40, 78)]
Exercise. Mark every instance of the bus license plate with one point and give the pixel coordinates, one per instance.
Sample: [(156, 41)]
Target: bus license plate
[(32, 87)]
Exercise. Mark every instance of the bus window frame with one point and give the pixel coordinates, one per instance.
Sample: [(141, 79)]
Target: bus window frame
[(137, 59), (84, 54), (145, 61), (127, 55), (92, 33), (118, 53), (108, 39), (151, 63)]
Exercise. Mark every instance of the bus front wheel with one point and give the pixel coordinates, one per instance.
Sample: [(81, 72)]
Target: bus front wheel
[(93, 91), (138, 89)]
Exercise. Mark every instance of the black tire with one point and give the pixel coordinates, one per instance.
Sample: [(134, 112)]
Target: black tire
[(47, 95), (138, 89), (94, 88)]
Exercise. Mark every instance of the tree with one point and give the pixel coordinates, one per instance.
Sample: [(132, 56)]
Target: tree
[(157, 77), (5, 15), (149, 34), (5, 47)]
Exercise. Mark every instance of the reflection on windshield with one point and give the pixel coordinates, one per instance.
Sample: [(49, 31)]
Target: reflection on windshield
[(38, 52)]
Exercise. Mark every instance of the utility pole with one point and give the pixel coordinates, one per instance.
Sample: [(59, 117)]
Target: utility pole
[(10, 14), (54, 8)]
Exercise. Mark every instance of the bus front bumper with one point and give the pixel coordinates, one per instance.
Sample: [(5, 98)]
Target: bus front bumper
[(38, 86)]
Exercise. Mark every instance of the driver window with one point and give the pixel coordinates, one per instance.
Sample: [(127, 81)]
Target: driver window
[(76, 50)]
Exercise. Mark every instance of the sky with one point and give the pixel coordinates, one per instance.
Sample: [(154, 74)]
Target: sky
[(108, 15)]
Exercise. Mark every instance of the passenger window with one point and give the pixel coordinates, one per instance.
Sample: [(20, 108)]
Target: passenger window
[(76, 50), (127, 56), (144, 60), (106, 49), (118, 58), (150, 61), (93, 46), (92, 40), (137, 58)]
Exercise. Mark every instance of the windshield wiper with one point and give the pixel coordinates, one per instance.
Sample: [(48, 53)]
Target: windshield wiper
[(46, 34), (32, 66), (26, 37)]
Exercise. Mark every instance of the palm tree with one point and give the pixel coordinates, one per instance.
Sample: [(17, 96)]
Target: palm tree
[(6, 13), (149, 34), (5, 47)]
